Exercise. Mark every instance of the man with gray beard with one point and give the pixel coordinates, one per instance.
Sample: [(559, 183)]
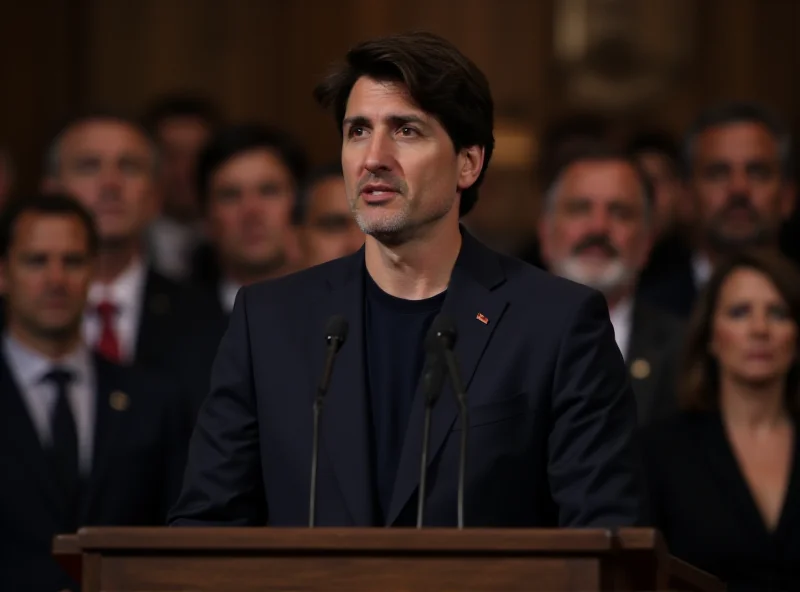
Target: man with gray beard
[(737, 168), (597, 230)]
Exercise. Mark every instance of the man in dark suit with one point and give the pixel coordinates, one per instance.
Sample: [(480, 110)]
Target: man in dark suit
[(248, 177), (738, 172), (597, 229), (552, 417), (109, 163), (84, 442)]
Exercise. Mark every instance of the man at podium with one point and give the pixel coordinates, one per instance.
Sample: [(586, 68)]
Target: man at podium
[(550, 414)]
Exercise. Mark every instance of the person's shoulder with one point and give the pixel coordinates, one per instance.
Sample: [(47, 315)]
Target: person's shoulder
[(536, 298), (543, 290), (299, 283)]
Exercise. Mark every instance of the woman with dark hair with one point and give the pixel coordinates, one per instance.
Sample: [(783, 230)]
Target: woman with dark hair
[(724, 473)]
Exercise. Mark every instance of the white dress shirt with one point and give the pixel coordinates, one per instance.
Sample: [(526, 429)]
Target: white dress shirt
[(701, 269), (622, 320), (227, 295), (29, 367), (126, 293), (172, 245)]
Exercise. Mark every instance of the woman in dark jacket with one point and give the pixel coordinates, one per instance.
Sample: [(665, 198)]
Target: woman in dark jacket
[(724, 473)]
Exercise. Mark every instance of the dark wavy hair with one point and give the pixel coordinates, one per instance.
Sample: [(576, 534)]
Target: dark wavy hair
[(439, 78), (245, 137), (698, 386), (45, 204)]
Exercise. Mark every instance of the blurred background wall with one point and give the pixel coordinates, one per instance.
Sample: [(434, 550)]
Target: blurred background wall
[(639, 62)]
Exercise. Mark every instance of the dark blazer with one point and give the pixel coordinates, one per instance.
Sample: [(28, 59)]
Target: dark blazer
[(141, 434), (673, 289), (193, 356), (169, 308), (206, 295), (653, 359), (702, 504), (552, 417)]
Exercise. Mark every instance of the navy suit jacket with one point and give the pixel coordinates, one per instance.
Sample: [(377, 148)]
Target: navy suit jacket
[(195, 347), (169, 309), (139, 455), (552, 415)]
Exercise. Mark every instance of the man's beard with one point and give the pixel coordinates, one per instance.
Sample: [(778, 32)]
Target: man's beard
[(608, 279), (720, 240), (724, 242), (398, 226), (386, 225)]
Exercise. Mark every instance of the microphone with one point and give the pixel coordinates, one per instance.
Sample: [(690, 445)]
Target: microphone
[(433, 376), (444, 329), (335, 335)]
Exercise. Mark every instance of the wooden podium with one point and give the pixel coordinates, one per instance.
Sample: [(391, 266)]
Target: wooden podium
[(378, 560)]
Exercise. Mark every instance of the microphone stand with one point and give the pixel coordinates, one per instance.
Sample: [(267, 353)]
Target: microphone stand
[(458, 387), (337, 332), (432, 383), (423, 463), (312, 504)]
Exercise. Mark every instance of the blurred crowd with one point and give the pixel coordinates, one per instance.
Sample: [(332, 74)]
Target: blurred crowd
[(118, 277)]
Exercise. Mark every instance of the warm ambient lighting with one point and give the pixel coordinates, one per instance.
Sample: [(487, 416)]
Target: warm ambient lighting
[(515, 145)]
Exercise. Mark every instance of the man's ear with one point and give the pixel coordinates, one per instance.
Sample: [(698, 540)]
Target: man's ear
[(471, 164)]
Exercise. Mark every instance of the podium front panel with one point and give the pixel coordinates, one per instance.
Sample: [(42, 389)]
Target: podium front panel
[(347, 574)]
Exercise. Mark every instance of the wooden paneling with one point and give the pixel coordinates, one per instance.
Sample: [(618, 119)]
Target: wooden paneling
[(40, 75), (231, 51), (749, 50), (260, 59)]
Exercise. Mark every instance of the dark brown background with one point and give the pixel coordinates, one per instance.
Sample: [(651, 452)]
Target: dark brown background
[(259, 59)]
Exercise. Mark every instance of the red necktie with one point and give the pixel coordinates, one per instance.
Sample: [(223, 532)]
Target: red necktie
[(108, 344)]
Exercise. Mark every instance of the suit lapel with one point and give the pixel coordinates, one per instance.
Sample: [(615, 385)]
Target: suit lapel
[(687, 289), (711, 437), (20, 434), (471, 294), (791, 501), (345, 418), (640, 359), (110, 406), (157, 306)]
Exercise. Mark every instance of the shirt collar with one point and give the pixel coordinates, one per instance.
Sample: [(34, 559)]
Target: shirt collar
[(227, 294), (701, 268), (30, 366), (124, 291), (622, 312)]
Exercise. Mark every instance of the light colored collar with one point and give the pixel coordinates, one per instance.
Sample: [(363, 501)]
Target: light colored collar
[(622, 313), (227, 294), (126, 289), (30, 366), (701, 269), (622, 321)]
